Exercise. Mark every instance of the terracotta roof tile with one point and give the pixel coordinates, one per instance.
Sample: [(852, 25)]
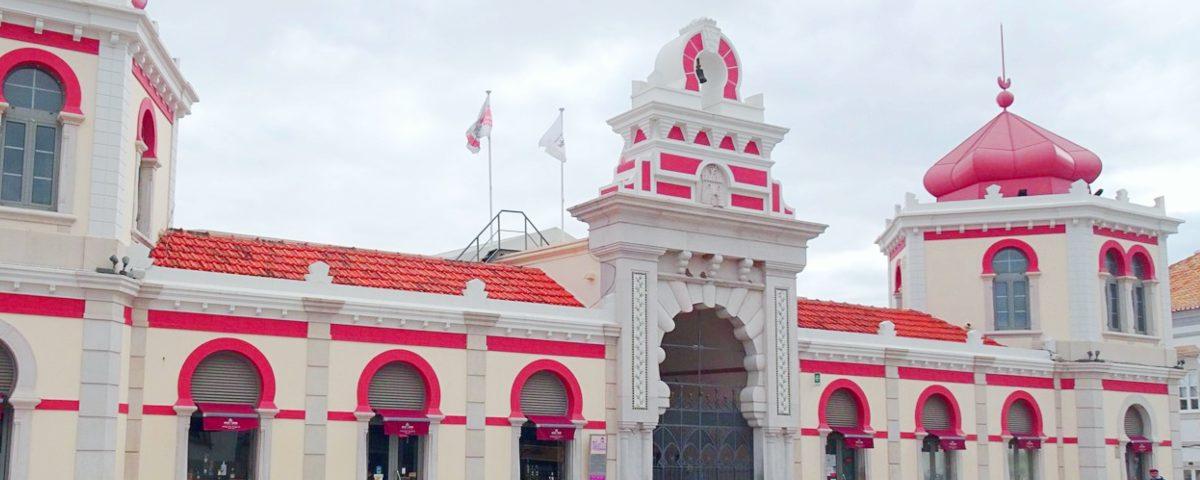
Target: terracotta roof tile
[(846, 317), (1185, 284), (227, 253)]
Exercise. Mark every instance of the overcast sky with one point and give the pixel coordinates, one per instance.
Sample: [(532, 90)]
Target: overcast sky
[(342, 122)]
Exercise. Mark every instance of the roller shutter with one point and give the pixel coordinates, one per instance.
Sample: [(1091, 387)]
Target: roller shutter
[(397, 386), (8, 372), (544, 394), (1020, 418), (935, 415), (842, 410), (226, 377), (1133, 423)]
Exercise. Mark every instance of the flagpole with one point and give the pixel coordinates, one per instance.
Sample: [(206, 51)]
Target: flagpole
[(491, 208), (562, 189)]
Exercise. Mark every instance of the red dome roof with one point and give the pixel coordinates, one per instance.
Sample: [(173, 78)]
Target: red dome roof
[(1012, 152)]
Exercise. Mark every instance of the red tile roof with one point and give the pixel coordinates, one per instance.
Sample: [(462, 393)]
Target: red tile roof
[(846, 317), (1185, 284), (260, 257)]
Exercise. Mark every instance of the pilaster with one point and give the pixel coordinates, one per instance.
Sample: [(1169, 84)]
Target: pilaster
[(477, 325), (1089, 404), (112, 152), (319, 313), (892, 358), (916, 297), (1086, 319)]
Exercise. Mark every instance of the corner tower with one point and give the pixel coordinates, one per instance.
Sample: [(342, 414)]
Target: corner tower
[(699, 253)]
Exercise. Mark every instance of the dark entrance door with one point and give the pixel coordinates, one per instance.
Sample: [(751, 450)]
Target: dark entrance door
[(703, 435)]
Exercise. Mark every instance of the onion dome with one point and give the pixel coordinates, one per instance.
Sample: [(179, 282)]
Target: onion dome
[(1014, 153)]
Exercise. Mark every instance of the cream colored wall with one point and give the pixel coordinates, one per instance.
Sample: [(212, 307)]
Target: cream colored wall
[(85, 67), (451, 449), (57, 345), (52, 444), (956, 290), (287, 450)]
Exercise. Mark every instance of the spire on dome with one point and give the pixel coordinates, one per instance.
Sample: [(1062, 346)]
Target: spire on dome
[(1004, 98)]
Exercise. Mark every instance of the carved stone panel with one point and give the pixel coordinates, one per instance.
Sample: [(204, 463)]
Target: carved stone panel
[(783, 353), (638, 341)]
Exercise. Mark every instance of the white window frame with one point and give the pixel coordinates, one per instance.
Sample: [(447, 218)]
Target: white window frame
[(1190, 381)]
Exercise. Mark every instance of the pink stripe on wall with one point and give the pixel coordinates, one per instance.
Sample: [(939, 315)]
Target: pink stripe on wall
[(934, 375), (207, 322), (396, 336), (41, 305), (290, 415), (1067, 384), (1134, 387), (166, 410), (1133, 237), (49, 38), (1021, 381), (545, 347), (58, 405), (842, 368), (996, 232), (745, 201), (677, 163), (674, 190), (749, 176)]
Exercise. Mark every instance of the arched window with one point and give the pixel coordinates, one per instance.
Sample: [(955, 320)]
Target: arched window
[(1020, 422), (226, 388), (29, 164), (8, 381), (544, 402), (1010, 289), (1137, 452), (1112, 291), (941, 440), (1141, 320), (397, 395), (848, 437), (148, 135)]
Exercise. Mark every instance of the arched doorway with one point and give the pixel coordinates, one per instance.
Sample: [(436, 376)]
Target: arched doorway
[(703, 433), (222, 435), (1139, 448), (397, 395)]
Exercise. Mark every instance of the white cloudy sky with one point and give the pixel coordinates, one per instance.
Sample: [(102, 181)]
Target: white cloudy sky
[(342, 122)]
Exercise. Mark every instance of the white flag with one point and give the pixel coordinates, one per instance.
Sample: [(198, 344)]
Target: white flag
[(482, 126), (552, 141)]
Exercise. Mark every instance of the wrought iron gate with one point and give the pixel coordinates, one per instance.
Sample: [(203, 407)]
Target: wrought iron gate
[(702, 435)]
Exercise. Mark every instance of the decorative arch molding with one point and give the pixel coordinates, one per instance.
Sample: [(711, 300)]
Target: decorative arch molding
[(1122, 261), (266, 374), (742, 307), (864, 408), (1034, 409), (147, 128), (1142, 405), (433, 389), (1025, 248), (724, 50), (1139, 252), (938, 390), (27, 370), (72, 93), (574, 393)]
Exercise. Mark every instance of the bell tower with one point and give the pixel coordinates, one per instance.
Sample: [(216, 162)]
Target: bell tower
[(696, 242)]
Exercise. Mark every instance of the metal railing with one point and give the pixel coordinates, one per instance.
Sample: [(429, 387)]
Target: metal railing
[(490, 244)]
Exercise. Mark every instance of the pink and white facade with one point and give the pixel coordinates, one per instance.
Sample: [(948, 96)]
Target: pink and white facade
[(208, 355)]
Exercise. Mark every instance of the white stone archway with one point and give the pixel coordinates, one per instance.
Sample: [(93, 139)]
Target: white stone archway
[(23, 399)]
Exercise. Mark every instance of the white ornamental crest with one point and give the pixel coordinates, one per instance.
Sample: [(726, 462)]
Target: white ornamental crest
[(712, 186)]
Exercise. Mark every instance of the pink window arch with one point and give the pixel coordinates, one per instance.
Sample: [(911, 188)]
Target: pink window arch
[(1138, 253), (72, 94), (1119, 254), (1021, 396), (991, 252), (694, 46), (433, 389), (955, 412), (147, 131), (266, 375), (574, 393), (864, 408)]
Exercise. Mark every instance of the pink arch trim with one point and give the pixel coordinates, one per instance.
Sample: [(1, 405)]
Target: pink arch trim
[(1135, 252), (991, 252), (265, 374), (1021, 396), (433, 389), (943, 392), (150, 137), (693, 48), (72, 94), (900, 278), (1122, 262), (574, 394), (864, 408)]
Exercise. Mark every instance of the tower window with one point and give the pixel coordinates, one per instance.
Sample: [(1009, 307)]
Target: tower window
[(1010, 290), (29, 163), (1112, 291), (1141, 321)]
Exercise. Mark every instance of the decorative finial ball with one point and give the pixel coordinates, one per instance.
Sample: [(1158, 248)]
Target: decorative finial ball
[(139, 4), (1004, 99)]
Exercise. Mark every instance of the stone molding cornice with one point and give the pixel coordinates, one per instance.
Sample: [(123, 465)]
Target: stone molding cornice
[(635, 251)]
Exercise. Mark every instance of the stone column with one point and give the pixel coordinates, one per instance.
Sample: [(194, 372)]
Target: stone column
[(892, 357), (1125, 285), (781, 372), (362, 424), (1089, 404), (96, 451), (477, 325), (183, 420), (429, 449), (262, 458), (137, 380), (22, 427), (611, 400), (112, 151), (1085, 314), (514, 449), (320, 314)]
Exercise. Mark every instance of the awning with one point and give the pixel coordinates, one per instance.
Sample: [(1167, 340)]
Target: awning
[(1028, 442), (226, 417), (856, 437), (1140, 444), (553, 428), (949, 440), (404, 423)]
